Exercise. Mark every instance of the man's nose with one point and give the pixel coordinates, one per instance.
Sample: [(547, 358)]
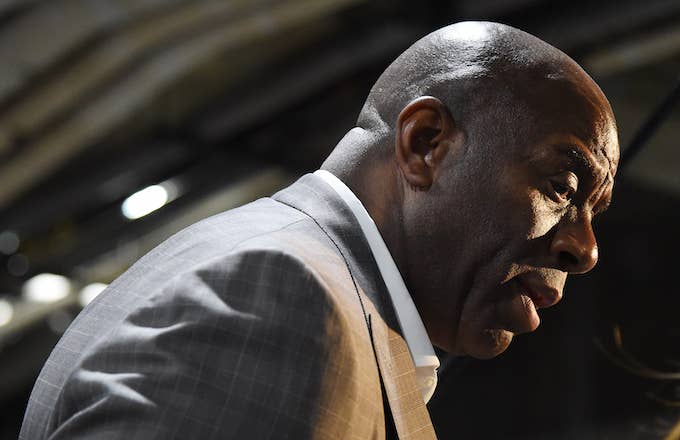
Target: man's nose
[(575, 247)]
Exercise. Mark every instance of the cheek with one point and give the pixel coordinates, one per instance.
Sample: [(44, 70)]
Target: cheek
[(530, 215), (541, 218)]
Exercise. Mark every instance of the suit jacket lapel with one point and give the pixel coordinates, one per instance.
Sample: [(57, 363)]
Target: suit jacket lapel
[(411, 417), (316, 199)]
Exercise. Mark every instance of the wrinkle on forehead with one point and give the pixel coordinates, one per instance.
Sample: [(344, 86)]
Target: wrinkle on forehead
[(569, 101), (602, 175), (604, 150), (599, 203)]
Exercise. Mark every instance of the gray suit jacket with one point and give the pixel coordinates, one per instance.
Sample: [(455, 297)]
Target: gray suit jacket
[(266, 321)]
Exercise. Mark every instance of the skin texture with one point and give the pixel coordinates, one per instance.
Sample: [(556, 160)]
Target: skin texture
[(483, 154)]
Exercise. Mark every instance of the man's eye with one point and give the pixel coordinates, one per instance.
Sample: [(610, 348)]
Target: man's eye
[(563, 190)]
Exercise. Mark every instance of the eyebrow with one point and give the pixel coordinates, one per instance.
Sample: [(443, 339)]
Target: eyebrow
[(577, 157)]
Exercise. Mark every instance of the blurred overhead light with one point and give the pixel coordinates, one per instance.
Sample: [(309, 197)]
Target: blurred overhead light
[(9, 242), (6, 312), (149, 199), (144, 202), (90, 292), (46, 287)]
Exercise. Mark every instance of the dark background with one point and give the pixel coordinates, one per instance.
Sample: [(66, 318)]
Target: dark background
[(222, 102)]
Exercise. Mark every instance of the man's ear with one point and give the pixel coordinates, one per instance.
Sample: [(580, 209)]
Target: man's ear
[(424, 131)]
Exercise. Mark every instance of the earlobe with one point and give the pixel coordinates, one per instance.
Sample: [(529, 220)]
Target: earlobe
[(423, 133)]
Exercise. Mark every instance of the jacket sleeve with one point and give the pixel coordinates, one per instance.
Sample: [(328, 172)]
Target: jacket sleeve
[(235, 349)]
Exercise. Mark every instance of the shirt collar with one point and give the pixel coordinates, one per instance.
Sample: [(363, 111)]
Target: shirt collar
[(424, 358)]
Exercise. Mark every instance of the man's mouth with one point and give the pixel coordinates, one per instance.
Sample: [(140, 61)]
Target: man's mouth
[(521, 315), (529, 292), (536, 288)]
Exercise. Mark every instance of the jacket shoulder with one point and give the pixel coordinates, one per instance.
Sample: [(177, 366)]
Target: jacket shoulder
[(209, 322)]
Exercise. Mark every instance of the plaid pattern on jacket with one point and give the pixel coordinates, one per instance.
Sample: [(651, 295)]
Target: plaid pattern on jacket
[(251, 324)]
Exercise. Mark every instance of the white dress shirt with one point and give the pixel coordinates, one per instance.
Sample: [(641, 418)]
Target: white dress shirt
[(422, 352)]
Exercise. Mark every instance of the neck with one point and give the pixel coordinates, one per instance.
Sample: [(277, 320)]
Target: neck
[(365, 163)]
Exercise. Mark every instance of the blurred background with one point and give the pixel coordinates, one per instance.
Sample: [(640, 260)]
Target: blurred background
[(123, 121)]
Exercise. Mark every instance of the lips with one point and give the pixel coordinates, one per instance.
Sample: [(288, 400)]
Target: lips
[(518, 311), (528, 292), (534, 286)]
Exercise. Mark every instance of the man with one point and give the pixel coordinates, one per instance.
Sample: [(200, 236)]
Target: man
[(452, 213)]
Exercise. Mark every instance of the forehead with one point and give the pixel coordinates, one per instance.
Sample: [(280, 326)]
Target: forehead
[(574, 113), (568, 149)]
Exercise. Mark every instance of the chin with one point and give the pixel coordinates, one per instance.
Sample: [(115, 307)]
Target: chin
[(487, 344)]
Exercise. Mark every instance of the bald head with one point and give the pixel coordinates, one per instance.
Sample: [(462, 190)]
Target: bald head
[(483, 72), (482, 154)]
